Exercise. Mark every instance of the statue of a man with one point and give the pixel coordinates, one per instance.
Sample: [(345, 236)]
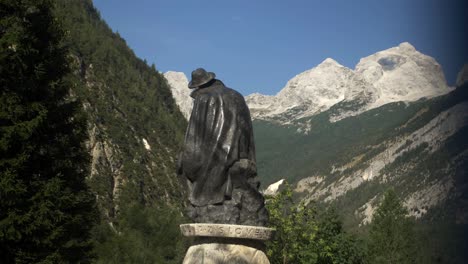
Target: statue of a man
[(218, 157)]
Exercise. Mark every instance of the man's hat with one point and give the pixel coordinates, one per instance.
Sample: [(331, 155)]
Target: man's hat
[(200, 77)]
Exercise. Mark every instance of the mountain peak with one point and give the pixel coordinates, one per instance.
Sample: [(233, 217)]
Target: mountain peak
[(176, 75), (406, 46), (403, 74), (330, 61)]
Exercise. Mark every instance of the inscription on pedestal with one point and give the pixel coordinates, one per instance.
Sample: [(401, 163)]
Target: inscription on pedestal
[(222, 230)]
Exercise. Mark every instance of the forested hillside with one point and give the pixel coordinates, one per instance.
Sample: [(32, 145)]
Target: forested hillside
[(135, 126), (135, 131)]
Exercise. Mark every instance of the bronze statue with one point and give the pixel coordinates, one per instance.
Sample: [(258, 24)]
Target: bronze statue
[(218, 157)]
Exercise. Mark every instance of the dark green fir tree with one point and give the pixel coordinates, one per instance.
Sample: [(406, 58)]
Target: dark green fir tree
[(392, 235), (46, 209)]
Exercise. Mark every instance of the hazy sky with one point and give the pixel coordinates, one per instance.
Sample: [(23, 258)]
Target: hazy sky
[(258, 45)]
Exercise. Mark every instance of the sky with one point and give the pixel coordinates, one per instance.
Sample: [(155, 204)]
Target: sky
[(258, 45)]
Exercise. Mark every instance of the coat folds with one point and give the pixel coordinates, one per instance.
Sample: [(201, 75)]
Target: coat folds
[(218, 135)]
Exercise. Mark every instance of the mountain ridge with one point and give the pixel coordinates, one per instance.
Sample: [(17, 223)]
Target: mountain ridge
[(396, 74)]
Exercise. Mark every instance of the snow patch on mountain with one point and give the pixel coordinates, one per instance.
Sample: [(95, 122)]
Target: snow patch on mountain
[(273, 188), (146, 144), (178, 83)]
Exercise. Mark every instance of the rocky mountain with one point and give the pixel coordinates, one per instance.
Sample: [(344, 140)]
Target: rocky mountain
[(402, 74), (310, 93), (393, 75), (180, 91)]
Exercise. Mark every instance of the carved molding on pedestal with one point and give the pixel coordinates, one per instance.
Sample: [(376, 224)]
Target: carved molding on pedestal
[(224, 230), (224, 243)]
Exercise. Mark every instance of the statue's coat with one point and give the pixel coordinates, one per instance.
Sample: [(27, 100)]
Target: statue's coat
[(219, 133)]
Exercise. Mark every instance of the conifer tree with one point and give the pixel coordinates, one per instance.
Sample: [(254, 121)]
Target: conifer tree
[(391, 233), (46, 209)]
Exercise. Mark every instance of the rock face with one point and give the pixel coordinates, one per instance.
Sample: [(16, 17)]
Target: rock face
[(106, 162), (180, 91), (396, 74)]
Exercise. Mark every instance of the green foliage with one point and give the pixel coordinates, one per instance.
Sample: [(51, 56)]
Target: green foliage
[(141, 235), (392, 236), (46, 209), (306, 235)]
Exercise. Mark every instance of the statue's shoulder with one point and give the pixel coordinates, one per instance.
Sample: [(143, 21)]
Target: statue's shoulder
[(219, 90), (203, 93), (232, 93)]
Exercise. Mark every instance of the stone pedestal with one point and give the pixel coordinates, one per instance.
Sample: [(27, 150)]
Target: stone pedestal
[(221, 243)]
